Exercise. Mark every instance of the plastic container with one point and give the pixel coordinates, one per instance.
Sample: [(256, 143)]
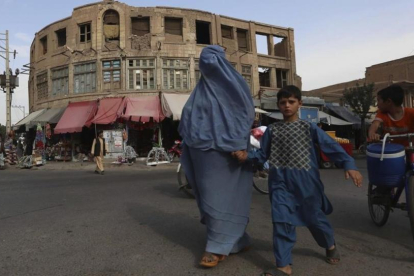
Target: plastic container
[(390, 170)]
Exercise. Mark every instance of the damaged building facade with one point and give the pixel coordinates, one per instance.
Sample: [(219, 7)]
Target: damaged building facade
[(399, 71), (109, 48)]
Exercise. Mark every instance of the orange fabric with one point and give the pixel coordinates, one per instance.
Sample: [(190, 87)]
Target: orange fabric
[(394, 127)]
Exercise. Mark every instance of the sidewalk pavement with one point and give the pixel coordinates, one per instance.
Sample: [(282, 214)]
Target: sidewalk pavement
[(109, 165)]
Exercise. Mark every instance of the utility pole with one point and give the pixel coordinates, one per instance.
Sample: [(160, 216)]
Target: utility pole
[(8, 85)]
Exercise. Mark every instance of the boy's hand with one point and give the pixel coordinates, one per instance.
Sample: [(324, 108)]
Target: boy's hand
[(356, 177), (240, 155), (374, 137)]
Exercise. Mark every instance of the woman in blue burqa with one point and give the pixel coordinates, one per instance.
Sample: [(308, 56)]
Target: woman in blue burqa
[(215, 122)]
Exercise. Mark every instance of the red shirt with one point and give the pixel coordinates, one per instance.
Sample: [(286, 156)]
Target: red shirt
[(401, 126)]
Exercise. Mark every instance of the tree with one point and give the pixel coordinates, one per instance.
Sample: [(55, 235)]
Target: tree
[(360, 99)]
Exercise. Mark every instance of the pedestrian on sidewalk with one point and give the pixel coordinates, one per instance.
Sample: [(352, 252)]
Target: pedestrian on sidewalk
[(216, 121), (296, 191), (99, 151)]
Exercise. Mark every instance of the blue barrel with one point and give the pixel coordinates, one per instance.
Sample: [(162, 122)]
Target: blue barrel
[(390, 171)]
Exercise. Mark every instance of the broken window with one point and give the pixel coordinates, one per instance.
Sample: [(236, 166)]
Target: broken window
[(111, 25), (242, 40), (111, 70), (43, 45), (226, 32), (84, 79), (247, 74), (261, 44), (173, 29), (203, 32), (281, 78), (141, 74), (280, 46), (264, 76), (140, 26), (85, 33), (175, 74), (60, 81), (42, 86), (61, 37)]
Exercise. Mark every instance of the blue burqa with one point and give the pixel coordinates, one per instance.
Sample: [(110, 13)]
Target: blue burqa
[(216, 121)]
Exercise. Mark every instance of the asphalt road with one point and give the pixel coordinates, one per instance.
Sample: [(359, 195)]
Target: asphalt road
[(135, 222)]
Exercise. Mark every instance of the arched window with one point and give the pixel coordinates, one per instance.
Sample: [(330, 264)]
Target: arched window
[(111, 25)]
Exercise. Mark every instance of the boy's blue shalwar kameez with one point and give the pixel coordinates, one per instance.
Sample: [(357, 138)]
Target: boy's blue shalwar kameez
[(296, 191), (216, 121)]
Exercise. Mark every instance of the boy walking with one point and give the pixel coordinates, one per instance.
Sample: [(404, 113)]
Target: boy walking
[(296, 191)]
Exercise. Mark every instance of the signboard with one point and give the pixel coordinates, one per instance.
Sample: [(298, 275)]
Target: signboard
[(113, 143), (310, 114)]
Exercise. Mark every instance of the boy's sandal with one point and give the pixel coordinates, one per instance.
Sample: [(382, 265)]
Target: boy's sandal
[(332, 255), (211, 260), (274, 272)]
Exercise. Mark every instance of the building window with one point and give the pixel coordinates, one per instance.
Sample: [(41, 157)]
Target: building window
[(242, 40), (175, 74), (281, 78), (60, 81), (173, 29), (247, 74), (85, 33), (111, 25), (203, 32), (280, 46), (141, 74), (43, 45), (262, 44), (264, 76), (61, 37), (84, 79), (226, 32), (140, 26), (111, 71), (42, 86)]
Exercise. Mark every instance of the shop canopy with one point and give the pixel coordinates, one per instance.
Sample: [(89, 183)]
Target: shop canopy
[(331, 120), (142, 109), (109, 110), (51, 116), (345, 114), (76, 116), (29, 120), (261, 111), (173, 104)]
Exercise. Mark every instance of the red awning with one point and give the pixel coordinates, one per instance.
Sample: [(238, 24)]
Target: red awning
[(76, 116), (141, 109), (109, 109)]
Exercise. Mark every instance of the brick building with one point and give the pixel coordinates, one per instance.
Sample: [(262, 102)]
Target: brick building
[(111, 49), (400, 71)]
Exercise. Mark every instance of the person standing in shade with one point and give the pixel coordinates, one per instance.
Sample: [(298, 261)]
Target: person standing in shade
[(215, 122), (99, 151)]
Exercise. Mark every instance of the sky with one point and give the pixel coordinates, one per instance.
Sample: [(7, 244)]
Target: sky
[(334, 40)]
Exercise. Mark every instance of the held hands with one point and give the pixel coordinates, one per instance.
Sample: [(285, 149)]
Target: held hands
[(355, 176), (240, 155)]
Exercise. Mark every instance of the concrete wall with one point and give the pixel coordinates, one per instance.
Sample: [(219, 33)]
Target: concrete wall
[(157, 44)]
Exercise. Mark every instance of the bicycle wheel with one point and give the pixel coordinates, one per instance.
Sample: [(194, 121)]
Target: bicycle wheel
[(362, 149), (260, 181), (379, 205), (410, 203), (183, 183)]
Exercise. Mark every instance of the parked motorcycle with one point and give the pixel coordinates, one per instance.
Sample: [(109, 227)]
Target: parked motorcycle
[(175, 151)]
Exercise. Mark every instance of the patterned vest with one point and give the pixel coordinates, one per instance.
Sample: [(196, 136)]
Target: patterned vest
[(291, 145)]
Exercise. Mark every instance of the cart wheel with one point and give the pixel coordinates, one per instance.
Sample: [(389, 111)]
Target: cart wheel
[(327, 165), (260, 181), (410, 201), (379, 205)]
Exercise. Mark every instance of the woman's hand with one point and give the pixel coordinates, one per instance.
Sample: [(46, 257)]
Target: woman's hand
[(240, 155)]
